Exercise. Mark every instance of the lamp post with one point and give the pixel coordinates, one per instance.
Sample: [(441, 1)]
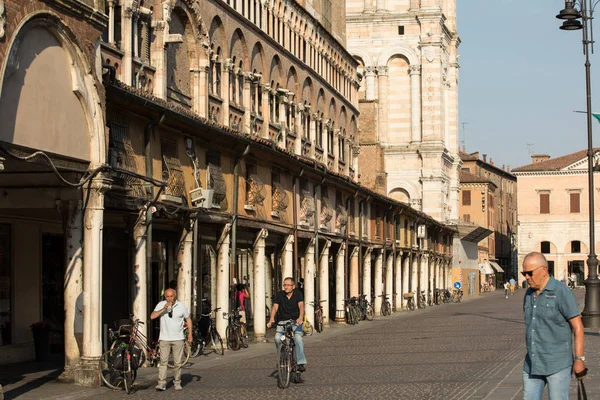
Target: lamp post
[(572, 16)]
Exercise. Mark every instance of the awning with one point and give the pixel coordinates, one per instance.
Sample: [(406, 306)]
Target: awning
[(496, 266), (486, 268)]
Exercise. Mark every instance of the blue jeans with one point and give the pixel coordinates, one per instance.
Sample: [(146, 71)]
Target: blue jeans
[(298, 334), (558, 385)]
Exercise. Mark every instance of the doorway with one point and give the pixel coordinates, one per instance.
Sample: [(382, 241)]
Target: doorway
[(53, 276)]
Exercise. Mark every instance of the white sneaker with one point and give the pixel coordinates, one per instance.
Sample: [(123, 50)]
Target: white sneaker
[(161, 388), (178, 387)]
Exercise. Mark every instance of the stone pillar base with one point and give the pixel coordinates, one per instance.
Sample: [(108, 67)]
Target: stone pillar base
[(68, 374), (260, 339), (88, 373), (340, 321)]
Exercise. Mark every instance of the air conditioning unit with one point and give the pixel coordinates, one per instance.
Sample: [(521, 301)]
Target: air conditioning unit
[(167, 198), (201, 198)]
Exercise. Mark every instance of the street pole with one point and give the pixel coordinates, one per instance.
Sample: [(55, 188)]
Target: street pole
[(591, 311)]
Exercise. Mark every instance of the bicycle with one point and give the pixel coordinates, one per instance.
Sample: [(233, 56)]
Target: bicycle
[(307, 328), (457, 295), (386, 306), (366, 309), (430, 300), (422, 303), (410, 301), (351, 317), (287, 368), (119, 364), (236, 332), (318, 315), (208, 335)]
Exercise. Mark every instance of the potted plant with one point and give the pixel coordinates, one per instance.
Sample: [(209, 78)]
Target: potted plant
[(41, 340)]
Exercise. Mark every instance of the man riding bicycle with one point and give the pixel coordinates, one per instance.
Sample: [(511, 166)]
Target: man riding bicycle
[(289, 305)]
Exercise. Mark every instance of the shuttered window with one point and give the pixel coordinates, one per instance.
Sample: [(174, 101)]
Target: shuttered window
[(466, 197), (575, 202), (544, 203)]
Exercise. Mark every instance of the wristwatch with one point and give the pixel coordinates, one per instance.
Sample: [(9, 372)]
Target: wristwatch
[(582, 358)]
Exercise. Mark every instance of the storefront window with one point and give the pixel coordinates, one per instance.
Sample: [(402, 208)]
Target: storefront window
[(5, 295)]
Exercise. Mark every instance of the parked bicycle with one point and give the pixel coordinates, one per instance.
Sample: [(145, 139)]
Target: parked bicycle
[(457, 295), (430, 300), (236, 332), (422, 303), (287, 367), (318, 315), (307, 327), (119, 364), (386, 306), (352, 312), (410, 301), (205, 335), (365, 307)]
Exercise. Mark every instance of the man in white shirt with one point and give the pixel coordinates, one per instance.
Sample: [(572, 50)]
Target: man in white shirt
[(172, 314)]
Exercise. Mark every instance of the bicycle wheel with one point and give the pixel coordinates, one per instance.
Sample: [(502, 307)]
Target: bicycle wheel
[(111, 377), (184, 359), (370, 312), (410, 305), (308, 329), (243, 335), (216, 342), (128, 374), (195, 347), (320, 323), (284, 368), (233, 342)]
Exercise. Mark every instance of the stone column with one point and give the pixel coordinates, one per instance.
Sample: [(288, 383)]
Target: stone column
[(355, 153), (201, 101), (126, 47), (247, 100), (223, 280), (260, 327), (414, 284), (382, 95), (266, 89), (88, 374), (73, 284), (225, 91), (425, 274), (298, 129), (399, 282), (354, 273), (309, 282), (405, 276), (184, 263), (111, 22), (415, 102), (251, 280), (313, 134), (268, 280), (287, 258), (340, 284), (370, 83), (134, 28), (378, 281), (367, 273), (212, 256), (324, 281), (139, 291), (389, 278)]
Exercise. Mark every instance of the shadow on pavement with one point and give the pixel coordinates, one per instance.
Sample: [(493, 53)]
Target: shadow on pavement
[(514, 321), (31, 385)]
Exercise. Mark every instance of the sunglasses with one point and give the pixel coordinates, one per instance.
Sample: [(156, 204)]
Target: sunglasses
[(530, 273)]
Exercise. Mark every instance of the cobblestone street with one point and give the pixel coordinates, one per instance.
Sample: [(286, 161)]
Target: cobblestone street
[(472, 350)]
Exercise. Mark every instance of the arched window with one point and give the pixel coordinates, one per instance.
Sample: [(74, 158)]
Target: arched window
[(240, 84), (545, 247)]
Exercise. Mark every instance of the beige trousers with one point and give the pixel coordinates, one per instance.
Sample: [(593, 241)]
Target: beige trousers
[(166, 348)]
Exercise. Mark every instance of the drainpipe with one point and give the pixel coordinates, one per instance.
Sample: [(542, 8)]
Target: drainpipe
[(295, 222), (317, 260), (236, 173), (148, 131)]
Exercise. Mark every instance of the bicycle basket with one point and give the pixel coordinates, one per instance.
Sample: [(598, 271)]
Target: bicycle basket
[(123, 327), (408, 295)]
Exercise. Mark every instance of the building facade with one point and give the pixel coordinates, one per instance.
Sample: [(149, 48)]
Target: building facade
[(206, 144), (553, 209), (407, 52), (488, 198)]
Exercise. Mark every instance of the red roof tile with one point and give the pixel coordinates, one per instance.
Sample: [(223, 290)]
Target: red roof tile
[(555, 164)]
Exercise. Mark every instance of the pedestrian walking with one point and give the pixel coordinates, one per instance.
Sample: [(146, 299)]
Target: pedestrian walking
[(552, 320), (512, 286), (506, 288), (172, 315)]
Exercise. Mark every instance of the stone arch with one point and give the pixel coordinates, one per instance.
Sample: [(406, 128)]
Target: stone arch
[(308, 92), (582, 250), (258, 59), (292, 82), (401, 187), (366, 57), (275, 71), (552, 247), (217, 35), (239, 48), (52, 44), (401, 50)]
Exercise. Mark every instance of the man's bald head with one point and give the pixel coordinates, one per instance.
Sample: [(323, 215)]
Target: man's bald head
[(170, 292), (537, 258)]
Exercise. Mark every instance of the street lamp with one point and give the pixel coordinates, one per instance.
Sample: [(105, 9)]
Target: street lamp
[(572, 16)]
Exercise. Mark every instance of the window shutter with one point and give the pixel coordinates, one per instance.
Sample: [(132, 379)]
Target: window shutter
[(545, 203), (466, 197), (575, 202)]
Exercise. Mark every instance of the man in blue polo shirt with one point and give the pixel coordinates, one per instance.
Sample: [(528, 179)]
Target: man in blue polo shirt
[(552, 320)]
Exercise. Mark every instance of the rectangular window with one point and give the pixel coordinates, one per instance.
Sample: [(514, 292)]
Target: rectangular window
[(5, 286), (466, 197), (575, 202), (544, 203), (467, 217), (575, 246), (400, 30)]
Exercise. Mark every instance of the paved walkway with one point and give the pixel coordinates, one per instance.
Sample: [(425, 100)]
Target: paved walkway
[(472, 350)]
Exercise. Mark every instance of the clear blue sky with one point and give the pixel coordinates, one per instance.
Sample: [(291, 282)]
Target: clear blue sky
[(520, 80)]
